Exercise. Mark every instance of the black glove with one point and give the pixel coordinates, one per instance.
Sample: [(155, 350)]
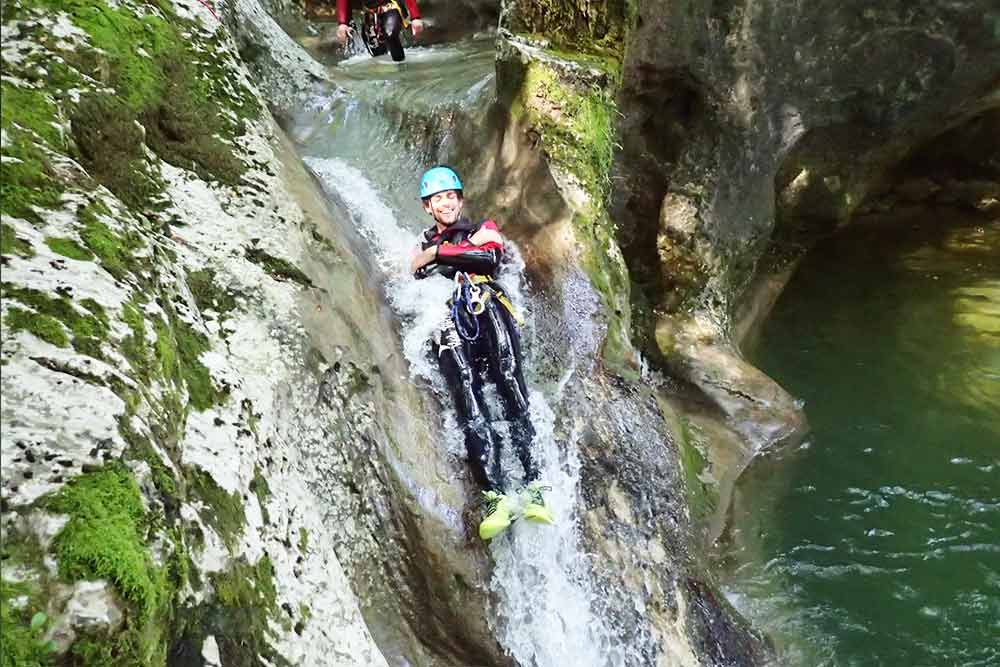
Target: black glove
[(426, 271)]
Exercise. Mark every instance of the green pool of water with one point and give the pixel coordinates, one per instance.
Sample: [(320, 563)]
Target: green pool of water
[(877, 542)]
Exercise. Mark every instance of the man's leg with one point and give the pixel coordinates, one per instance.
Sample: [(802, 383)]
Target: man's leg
[(392, 25), (506, 366), (454, 359)]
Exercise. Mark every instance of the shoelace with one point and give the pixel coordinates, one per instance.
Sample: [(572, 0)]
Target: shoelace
[(492, 504), (535, 494)]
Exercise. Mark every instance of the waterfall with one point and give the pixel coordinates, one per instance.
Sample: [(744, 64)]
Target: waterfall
[(369, 169)]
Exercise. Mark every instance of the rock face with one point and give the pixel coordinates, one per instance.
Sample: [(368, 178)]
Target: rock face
[(158, 393), (751, 128)]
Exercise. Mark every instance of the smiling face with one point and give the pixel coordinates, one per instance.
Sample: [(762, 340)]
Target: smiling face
[(445, 207)]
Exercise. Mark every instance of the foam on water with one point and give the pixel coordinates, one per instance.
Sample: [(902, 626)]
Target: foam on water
[(541, 577)]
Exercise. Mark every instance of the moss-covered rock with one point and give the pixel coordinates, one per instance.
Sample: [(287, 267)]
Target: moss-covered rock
[(577, 27), (127, 89), (571, 114)]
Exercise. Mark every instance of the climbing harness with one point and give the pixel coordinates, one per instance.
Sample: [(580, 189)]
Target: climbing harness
[(471, 293), (490, 290), (469, 296)]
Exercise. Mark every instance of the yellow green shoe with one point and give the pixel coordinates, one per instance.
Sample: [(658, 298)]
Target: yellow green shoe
[(535, 509), (497, 515)]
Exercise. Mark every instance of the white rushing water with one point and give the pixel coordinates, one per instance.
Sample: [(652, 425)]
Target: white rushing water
[(541, 579)]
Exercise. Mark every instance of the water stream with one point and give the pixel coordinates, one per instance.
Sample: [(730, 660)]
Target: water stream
[(878, 542), (360, 144)]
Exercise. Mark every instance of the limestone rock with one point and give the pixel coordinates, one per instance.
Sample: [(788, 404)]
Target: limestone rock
[(93, 609)]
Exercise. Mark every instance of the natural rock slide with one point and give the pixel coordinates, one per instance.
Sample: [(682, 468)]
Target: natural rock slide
[(222, 441)]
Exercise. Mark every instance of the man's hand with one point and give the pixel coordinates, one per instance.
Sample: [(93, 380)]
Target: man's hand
[(423, 258), (344, 32), (417, 26)]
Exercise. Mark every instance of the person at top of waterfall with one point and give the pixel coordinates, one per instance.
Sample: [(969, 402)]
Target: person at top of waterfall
[(480, 337), (383, 22)]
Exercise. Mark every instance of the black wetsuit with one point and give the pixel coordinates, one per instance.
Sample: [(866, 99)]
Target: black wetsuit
[(495, 353)]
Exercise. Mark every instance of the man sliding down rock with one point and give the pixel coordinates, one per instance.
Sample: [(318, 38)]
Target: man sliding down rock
[(480, 337)]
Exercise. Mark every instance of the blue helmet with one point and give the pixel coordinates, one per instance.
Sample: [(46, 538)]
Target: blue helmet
[(438, 179)]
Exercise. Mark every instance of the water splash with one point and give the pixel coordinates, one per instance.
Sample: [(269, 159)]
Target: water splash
[(541, 577)]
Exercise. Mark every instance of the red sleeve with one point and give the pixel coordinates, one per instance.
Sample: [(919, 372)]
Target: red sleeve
[(411, 7), (482, 259), (492, 245), (342, 13)]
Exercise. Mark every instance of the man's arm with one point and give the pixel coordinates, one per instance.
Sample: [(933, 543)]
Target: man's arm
[(344, 30), (483, 257)]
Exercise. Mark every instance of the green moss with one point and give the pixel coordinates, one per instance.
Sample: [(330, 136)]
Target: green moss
[(598, 28), (120, 34), (577, 130), (114, 251), (23, 629), (602, 59), (135, 346), (174, 91), (702, 498), (32, 109), (163, 81), (181, 570), (260, 488), (88, 346), (609, 277), (223, 511), (142, 449), (26, 180), (247, 586), (248, 599), (240, 617), (43, 326), (218, 80), (96, 308), (62, 310), (178, 348), (207, 294), (110, 144), (140, 646), (104, 538), (68, 248), (303, 539), (182, 128), (11, 244), (576, 126), (279, 268), (23, 602)]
